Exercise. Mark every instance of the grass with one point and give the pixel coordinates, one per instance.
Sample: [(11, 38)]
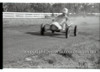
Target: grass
[(22, 40)]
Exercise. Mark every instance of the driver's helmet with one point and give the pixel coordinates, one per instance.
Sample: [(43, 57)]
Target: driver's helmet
[(65, 11)]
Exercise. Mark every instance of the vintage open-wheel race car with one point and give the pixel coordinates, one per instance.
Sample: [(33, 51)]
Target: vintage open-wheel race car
[(45, 27)]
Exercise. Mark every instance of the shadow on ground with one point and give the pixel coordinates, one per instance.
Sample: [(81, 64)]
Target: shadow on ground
[(56, 35)]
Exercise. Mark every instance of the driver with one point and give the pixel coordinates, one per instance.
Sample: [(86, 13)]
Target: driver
[(61, 20)]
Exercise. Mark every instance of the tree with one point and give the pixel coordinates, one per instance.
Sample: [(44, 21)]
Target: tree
[(41, 7), (57, 7), (52, 7)]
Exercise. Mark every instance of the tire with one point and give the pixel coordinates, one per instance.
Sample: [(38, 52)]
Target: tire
[(42, 29), (67, 32), (53, 31), (75, 30)]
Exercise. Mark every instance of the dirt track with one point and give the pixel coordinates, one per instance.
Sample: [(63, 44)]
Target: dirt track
[(25, 47)]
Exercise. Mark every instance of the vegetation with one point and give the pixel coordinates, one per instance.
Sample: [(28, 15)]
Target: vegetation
[(52, 7)]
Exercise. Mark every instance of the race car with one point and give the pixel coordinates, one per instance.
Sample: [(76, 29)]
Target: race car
[(45, 27), (61, 23)]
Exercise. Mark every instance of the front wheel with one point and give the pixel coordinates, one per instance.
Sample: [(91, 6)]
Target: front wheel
[(67, 32), (75, 30), (42, 29), (53, 31)]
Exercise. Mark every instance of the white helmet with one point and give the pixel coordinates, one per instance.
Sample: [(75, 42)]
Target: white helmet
[(65, 10)]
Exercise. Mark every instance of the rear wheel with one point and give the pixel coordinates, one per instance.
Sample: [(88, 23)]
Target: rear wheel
[(42, 29), (75, 30)]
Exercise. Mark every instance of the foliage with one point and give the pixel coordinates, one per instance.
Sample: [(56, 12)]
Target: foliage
[(52, 7)]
